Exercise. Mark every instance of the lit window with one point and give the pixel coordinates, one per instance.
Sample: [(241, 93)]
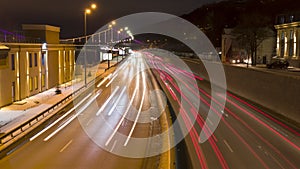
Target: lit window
[(43, 80), (35, 83), (30, 84), (291, 18)]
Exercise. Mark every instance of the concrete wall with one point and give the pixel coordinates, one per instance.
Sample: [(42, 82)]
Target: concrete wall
[(53, 76), (277, 92)]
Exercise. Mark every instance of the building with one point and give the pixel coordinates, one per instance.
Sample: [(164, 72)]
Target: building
[(30, 68), (234, 52), (288, 37)]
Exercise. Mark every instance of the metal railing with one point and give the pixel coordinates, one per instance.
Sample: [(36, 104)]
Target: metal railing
[(31, 122)]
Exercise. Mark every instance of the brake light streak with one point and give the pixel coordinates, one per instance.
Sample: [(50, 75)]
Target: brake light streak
[(252, 130)]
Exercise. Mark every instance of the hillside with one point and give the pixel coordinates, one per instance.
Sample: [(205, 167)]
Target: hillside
[(213, 18)]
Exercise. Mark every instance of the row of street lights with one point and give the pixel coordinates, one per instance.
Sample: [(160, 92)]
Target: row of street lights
[(88, 11)]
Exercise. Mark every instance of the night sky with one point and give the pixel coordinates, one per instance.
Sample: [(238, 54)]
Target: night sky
[(68, 14)]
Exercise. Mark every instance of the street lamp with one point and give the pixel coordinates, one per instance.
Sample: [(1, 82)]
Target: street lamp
[(86, 12), (112, 31), (93, 6)]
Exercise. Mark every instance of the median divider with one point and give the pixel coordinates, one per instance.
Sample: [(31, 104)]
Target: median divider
[(167, 159)]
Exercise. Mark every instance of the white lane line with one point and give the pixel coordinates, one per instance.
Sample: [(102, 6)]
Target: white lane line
[(126, 112), (116, 102), (210, 121), (71, 119), (58, 120), (111, 80), (107, 101), (139, 112), (120, 68), (276, 161), (89, 122), (66, 146), (114, 145), (228, 146), (104, 80)]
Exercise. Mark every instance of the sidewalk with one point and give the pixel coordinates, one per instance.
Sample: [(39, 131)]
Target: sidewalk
[(13, 115), (291, 71)]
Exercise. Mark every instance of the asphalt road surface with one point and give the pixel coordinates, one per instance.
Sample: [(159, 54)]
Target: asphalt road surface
[(110, 128), (246, 135)]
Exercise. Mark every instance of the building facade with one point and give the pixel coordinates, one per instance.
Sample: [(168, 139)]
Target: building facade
[(232, 50), (288, 38), (30, 68)]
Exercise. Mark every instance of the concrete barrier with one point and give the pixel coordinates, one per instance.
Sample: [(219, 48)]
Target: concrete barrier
[(17, 132), (6, 139), (25, 127), (277, 92)]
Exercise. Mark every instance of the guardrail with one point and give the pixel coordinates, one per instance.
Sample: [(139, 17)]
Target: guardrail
[(29, 123)]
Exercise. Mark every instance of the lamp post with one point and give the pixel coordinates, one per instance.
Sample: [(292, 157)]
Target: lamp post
[(112, 31), (86, 12)]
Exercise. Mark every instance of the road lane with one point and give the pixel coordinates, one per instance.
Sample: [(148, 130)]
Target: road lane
[(245, 137), (68, 145), (256, 141)]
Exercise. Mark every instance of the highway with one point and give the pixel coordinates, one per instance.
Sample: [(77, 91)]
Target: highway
[(246, 137), (110, 127), (99, 130)]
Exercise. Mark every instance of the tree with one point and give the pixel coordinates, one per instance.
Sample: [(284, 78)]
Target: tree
[(251, 32)]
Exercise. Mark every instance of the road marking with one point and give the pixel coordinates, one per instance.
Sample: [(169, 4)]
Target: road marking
[(116, 102), (121, 122), (112, 148), (58, 120), (120, 68), (139, 112), (71, 119), (210, 121), (101, 83), (107, 101), (89, 122), (276, 161), (111, 81), (228, 146), (66, 146)]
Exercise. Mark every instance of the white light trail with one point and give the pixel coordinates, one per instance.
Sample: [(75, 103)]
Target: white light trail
[(58, 120), (139, 112), (71, 119), (107, 101), (101, 83), (116, 102), (126, 111)]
